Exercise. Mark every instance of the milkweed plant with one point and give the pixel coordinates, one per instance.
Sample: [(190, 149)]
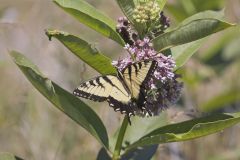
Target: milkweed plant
[(145, 32)]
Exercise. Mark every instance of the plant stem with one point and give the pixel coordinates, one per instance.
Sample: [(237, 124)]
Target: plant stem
[(118, 146)]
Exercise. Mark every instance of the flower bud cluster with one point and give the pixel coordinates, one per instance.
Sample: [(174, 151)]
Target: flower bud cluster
[(147, 11)]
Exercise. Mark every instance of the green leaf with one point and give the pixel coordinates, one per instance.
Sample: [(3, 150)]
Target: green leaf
[(141, 126), (187, 130), (85, 51), (141, 153), (161, 3), (63, 100), (145, 153), (221, 100), (127, 7), (90, 16), (9, 156), (205, 15), (189, 32), (103, 155), (182, 53)]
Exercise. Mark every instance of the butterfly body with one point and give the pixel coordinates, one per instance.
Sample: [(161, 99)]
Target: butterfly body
[(125, 92)]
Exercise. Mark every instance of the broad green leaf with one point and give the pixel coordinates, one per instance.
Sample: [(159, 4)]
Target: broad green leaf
[(161, 3), (9, 156), (91, 17), (221, 100), (188, 130), (85, 51), (141, 153), (183, 52), (127, 7), (205, 15), (63, 100), (103, 155), (141, 126), (145, 153), (192, 31)]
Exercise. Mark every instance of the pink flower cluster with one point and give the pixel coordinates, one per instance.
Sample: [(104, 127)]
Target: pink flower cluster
[(162, 89), (143, 50)]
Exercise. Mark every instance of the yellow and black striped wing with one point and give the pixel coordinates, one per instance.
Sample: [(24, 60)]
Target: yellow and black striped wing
[(107, 88), (135, 77)]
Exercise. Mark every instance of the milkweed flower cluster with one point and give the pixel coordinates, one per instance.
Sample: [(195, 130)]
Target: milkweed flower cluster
[(163, 89)]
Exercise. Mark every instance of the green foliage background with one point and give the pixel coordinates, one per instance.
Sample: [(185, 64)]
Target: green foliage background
[(31, 128)]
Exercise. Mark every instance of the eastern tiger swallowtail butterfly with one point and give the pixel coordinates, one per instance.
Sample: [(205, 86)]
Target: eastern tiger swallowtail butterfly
[(125, 91)]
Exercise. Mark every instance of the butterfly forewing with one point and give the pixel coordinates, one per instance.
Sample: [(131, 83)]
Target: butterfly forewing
[(107, 88), (137, 74)]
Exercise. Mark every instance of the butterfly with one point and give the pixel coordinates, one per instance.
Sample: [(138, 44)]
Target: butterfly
[(125, 91)]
